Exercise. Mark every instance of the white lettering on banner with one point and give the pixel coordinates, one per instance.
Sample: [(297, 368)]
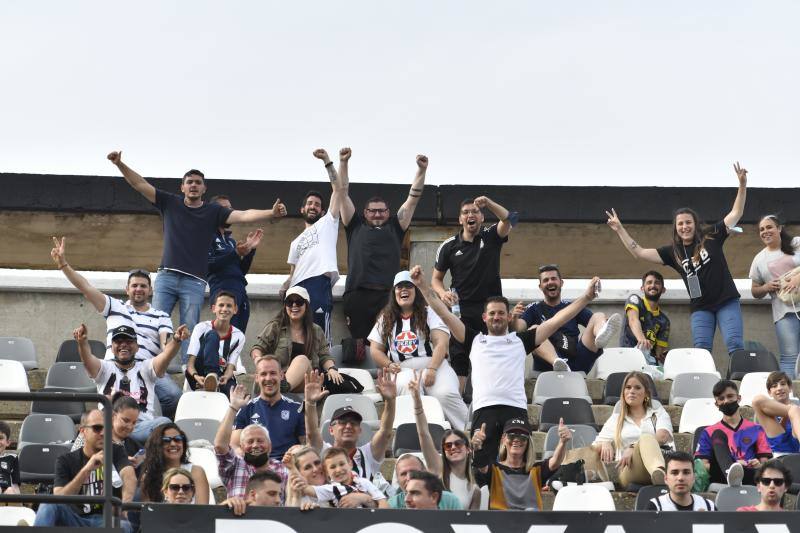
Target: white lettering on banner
[(481, 528), (708, 528), (615, 529), (389, 527), (772, 528), (224, 525)]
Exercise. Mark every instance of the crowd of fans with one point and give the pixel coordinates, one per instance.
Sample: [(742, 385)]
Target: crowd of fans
[(463, 345)]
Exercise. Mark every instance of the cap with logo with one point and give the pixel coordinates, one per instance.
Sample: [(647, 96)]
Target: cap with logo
[(123, 332), (347, 410), (517, 425)]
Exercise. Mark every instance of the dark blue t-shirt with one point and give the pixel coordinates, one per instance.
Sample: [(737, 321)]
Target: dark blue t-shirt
[(538, 312), (284, 421), (188, 232)]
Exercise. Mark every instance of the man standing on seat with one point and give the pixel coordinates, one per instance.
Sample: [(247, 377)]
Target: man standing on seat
[(646, 324), (580, 350), (312, 255), (190, 226), (473, 258), (374, 242)]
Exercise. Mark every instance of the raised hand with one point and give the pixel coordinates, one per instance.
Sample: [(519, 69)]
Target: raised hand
[(95, 460), (239, 397), (479, 437), (254, 238), (115, 157), (741, 173), (58, 252), (591, 290), (413, 387), (518, 310), (321, 153), (564, 433), (481, 202), (81, 334), (417, 275), (613, 220), (313, 386), (422, 161), (182, 333), (387, 385), (278, 209), (345, 153)]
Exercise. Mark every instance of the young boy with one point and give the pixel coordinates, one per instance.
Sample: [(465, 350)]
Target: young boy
[(779, 417), (346, 489), (215, 347), (9, 468)]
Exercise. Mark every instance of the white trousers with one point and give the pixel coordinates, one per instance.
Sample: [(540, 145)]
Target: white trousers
[(444, 389)]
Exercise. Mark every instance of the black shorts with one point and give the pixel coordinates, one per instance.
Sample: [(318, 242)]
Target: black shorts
[(495, 417), (472, 315), (361, 308)]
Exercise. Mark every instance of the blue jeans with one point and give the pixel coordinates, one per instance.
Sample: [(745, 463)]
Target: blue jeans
[(787, 330), (61, 514), (143, 428), (729, 317), (168, 393), (172, 287)]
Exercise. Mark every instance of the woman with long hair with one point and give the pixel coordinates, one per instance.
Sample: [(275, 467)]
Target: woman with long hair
[(166, 448), (297, 342), (305, 468), (780, 255), (409, 336), (178, 486), (124, 413), (696, 254)]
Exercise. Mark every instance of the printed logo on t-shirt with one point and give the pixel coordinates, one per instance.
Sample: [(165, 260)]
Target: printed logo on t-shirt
[(4, 465), (704, 259), (459, 252), (285, 414), (406, 342), (254, 417), (308, 240)]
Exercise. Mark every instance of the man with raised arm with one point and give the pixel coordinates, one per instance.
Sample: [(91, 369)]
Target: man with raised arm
[(153, 327), (312, 254), (498, 360), (190, 226), (374, 241)]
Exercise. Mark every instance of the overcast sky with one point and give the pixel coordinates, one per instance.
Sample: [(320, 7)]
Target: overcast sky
[(523, 92)]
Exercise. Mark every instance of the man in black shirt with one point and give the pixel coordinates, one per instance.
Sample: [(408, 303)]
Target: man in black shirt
[(646, 324), (9, 467), (81, 472)]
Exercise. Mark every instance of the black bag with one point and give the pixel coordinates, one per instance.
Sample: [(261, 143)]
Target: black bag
[(349, 385), (569, 473)]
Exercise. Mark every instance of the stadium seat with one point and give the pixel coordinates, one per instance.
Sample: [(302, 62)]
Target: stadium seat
[(74, 409), (617, 360), (682, 360), (37, 462), (15, 379), (207, 460), (19, 349), (745, 361), (11, 516), (586, 497), (68, 351), (582, 436), (365, 378), (202, 404), (792, 462), (560, 385), (572, 410), (199, 428), (647, 493), (336, 353), (731, 498), (691, 385), (406, 439), (71, 376), (404, 412), (46, 429), (362, 405), (698, 412), (366, 433), (753, 384), (613, 387)]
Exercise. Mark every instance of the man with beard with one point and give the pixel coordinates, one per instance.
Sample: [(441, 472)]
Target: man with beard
[(312, 254), (235, 470), (773, 479), (374, 241), (580, 350), (647, 326)]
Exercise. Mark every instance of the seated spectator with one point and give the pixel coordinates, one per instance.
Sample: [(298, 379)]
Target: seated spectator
[(733, 448), (281, 416), (297, 342), (9, 467), (81, 472), (305, 468), (134, 378), (125, 412), (680, 479), (646, 326), (214, 348), (423, 490), (409, 336), (263, 490), (516, 480), (405, 467), (454, 465), (167, 448), (235, 470), (773, 479), (631, 439), (344, 482), (779, 417), (178, 487)]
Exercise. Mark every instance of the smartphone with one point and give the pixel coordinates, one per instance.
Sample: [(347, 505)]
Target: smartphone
[(597, 289)]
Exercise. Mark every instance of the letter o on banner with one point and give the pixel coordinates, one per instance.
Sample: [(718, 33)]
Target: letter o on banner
[(389, 527)]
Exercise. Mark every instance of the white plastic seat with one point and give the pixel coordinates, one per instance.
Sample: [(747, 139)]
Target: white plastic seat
[(618, 360), (684, 360), (19, 349), (692, 385), (582, 436), (363, 405), (755, 383), (202, 404), (698, 412), (365, 378), (586, 497), (10, 516), (15, 379), (404, 412), (560, 385), (207, 460)]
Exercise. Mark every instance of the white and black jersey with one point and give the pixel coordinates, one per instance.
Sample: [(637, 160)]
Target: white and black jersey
[(138, 382), (665, 503), (407, 338)]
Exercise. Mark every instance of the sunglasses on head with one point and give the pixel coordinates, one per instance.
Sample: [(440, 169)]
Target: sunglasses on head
[(453, 445), (175, 438), (291, 302), (97, 428), (175, 487), (778, 481)]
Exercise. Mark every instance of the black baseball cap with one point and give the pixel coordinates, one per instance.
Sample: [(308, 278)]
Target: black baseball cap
[(347, 410), (517, 425), (123, 331)]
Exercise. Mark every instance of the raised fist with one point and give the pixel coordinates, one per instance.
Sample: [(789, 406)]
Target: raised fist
[(422, 161)]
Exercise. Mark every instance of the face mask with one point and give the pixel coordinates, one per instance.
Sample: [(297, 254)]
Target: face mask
[(256, 460), (729, 409)]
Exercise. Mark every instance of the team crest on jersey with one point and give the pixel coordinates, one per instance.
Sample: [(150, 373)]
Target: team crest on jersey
[(406, 342), (4, 465), (285, 414)]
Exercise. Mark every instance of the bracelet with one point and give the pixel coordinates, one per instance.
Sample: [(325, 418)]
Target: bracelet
[(431, 368), (411, 195), (309, 402), (332, 368), (416, 190), (62, 267), (329, 164), (235, 410), (419, 411)]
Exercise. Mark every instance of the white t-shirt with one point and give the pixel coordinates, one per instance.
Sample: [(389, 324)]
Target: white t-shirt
[(148, 325), (769, 265), (141, 387), (231, 357), (460, 487), (407, 343), (313, 252), (653, 420)]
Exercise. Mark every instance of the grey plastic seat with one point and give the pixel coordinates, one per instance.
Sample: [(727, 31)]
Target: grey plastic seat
[(46, 429), (731, 498), (361, 404), (745, 361), (560, 385), (37, 462), (19, 349), (366, 433), (647, 493), (692, 385), (406, 439), (72, 409), (582, 436), (572, 410), (72, 376), (68, 351), (199, 428), (613, 387)]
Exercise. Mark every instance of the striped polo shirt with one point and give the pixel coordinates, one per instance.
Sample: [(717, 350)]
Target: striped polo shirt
[(148, 325)]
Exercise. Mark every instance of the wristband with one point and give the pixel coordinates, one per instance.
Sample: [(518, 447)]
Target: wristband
[(329, 164), (235, 410), (62, 267), (332, 368)]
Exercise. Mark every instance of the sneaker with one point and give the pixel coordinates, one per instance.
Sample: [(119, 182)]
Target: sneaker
[(657, 476), (211, 382), (735, 474), (560, 365), (608, 331)]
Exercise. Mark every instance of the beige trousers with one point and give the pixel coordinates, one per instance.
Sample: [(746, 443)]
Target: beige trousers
[(646, 458)]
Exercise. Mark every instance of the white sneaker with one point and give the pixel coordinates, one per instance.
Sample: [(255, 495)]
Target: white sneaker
[(210, 384), (608, 331), (560, 365), (735, 474)]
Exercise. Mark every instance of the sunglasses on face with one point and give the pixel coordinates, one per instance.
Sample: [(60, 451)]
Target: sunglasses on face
[(346, 422), (454, 445), (519, 437), (292, 302), (778, 481), (175, 487), (97, 428), (174, 438), (404, 285)]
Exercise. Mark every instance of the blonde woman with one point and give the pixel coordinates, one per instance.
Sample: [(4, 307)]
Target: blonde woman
[(178, 486)]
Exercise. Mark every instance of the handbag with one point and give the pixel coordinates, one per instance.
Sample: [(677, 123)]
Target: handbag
[(784, 295), (349, 385)]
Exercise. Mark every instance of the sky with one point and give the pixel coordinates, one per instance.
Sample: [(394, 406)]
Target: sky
[(506, 92)]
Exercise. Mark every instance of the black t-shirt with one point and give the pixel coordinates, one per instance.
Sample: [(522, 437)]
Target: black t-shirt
[(68, 466), (189, 232), (716, 282), (9, 471), (373, 253), (474, 266)]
